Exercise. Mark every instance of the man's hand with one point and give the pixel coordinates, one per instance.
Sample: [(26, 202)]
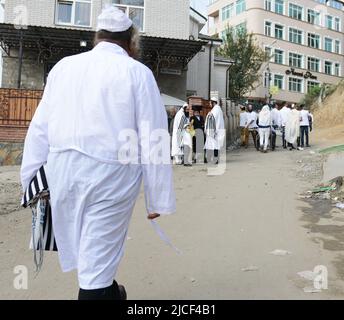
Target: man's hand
[(153, 216)]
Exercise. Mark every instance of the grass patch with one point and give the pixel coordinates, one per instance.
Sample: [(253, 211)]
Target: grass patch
[(333, 149)]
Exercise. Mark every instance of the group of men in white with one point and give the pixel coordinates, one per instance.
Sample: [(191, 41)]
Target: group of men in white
[(209, 141), (292, 122)]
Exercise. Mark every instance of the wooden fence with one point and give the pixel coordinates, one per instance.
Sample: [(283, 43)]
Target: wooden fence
[(17, 108)]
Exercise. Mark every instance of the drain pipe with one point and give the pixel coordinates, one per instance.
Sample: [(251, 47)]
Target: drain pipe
[(210, 58)]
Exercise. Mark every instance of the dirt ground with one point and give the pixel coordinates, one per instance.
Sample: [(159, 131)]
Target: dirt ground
[(226, 228)]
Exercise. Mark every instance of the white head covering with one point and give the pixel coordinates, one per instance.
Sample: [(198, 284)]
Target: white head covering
[(265, 115), (113, 19), (185, 105), (214, 99)]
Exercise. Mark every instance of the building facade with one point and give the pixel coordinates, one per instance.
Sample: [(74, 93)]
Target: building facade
[(2, 19), (304, 38), (51, 29)]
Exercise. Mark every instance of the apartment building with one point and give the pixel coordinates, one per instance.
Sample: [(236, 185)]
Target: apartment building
[(304, 38), (36, 34)]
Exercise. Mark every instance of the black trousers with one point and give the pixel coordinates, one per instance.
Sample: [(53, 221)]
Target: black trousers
[(273, 141), (304, 131), (109, 293), (212, 156)]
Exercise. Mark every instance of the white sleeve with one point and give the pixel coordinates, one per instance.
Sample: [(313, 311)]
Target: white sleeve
[(36, 146), (156, 165)]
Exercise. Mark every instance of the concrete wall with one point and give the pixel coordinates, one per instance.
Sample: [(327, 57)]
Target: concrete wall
[(32, 71), (198, 74), (163, 18), (219, 75)]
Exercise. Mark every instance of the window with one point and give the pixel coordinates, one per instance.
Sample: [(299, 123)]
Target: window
[(295, 60), (227, 12), (329, 22), (328, 44), (74, 12), (328, 67), (279, 31), (337, 46), (295, 35), (134, 9), (295, 11), (268, 28), (279, 81), (337, 69), (240, 6), (279, 6), (311, 85), (313, 17), (267, 79), (240, 27), (337, 24), (279, 56), (295, 85), (313, 40), (336, 4), (268, 5), (313, 64)]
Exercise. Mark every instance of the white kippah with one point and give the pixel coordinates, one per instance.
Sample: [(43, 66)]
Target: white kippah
[(113, 19)]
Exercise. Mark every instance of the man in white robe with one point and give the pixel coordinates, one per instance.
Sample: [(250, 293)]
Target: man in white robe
[(179, 123), (265, 122), (292, 127), (284, 112), (92, 104), (215, 132)]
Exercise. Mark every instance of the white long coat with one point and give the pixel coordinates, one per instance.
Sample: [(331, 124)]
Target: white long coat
[(92, 103), (177, 149), (215, 142), (292, 128)]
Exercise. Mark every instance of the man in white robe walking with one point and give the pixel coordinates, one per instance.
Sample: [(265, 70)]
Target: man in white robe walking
[(92, 104)]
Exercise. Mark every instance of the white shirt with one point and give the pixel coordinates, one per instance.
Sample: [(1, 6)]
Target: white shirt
[(252, 116), (285, 112), (243, 119), (276, 117), (92, 103), (304, 118)]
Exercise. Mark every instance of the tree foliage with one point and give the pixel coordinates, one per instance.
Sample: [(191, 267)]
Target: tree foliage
[(247, 57)]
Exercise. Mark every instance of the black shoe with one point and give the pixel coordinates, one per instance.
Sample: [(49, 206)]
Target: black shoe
[(122, 292), (187, 165), (308, 146)]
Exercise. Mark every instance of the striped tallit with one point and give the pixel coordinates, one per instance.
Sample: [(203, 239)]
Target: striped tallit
[(36, 197), (210, 126), (183, 121)]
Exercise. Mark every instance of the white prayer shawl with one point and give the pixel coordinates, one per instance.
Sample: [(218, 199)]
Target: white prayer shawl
[(265, 117), (284, 112), (292, 128), (177, 135), (214, 129), (91, 103)]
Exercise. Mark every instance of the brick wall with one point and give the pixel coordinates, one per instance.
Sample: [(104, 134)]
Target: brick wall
[(12, 133)]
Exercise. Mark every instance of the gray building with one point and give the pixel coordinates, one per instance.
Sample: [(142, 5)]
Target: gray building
[(37, 34), (206, 71)]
